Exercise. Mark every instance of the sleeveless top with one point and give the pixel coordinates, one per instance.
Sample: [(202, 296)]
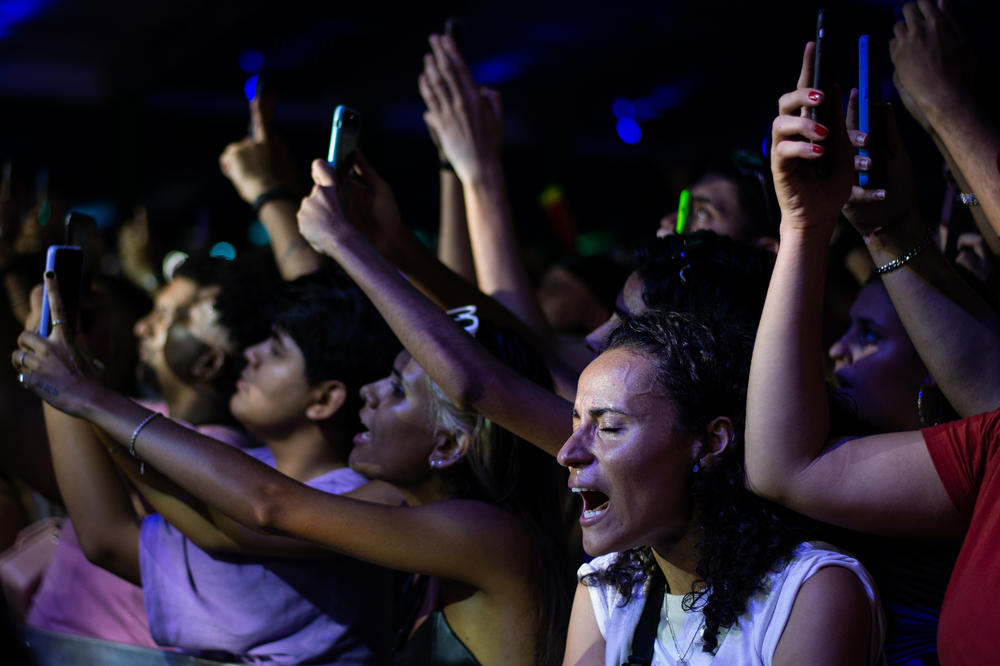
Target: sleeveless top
[(433, 642)]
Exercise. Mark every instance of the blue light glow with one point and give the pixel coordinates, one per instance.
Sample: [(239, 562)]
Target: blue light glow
[(622, 108), (257, 234), (498, 69), (629, 131), (763, 147), (224, 250), (250, 87), (251, 61), (13, 12)]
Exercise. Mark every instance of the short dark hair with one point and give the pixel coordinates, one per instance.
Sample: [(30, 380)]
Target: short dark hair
[(706, 274), (339, 332)]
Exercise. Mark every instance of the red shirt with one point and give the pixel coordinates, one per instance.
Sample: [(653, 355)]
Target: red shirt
[(966, 454)]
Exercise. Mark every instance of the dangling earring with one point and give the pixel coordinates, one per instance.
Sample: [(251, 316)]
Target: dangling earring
[(928, 392), (695, 468)]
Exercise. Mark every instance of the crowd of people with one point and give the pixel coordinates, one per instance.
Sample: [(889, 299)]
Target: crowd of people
[(350, 449)]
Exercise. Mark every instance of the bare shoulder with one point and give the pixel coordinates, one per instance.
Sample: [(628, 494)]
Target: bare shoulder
[(830, 621)]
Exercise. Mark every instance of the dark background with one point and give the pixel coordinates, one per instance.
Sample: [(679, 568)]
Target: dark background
[(132, 102)]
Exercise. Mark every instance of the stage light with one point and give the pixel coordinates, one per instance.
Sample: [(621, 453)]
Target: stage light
[(629, 131), (223, 250)]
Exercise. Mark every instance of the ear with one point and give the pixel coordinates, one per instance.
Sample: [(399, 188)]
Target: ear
[(715, 441), (208, 365), (450, 448), (326, 399)]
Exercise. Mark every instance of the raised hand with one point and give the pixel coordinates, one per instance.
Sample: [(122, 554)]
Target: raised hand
[(465, 120), (805, 198), (51, 367), (933, 65), (870, 210), (258, 163)]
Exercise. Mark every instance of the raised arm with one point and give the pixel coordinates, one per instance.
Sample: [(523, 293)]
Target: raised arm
[(930, 66), (259, 169), (470, 376), (787, 458), (956, 334), (462, 540), (468, 122)]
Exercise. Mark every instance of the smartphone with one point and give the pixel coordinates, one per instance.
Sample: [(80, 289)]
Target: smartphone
[(823, 81), (67, 262), (344, 141), (864, 99), (81, 232)]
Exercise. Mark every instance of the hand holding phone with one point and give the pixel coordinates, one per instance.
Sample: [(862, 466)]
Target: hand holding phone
[(823, 81)]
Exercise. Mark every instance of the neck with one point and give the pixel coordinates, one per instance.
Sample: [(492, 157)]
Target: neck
[(304, 453), (679, 561), (194, 405), (431, 488)]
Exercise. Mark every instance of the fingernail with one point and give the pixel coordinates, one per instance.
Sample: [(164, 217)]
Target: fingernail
[(864, 162), (819, 129), (816, 148), (880, 194), (862, 138), (50, 274), (815, 96)]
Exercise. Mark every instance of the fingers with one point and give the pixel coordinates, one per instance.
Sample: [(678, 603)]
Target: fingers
[(852, 111), (56, 309), (426, 92), (785, 132), (257, 121), (323, 174), (453, 64), (365, 168), (436, 85), (801, 99), (806, 73), (861, 195), (494, 100), (928, 10), (787, 126)]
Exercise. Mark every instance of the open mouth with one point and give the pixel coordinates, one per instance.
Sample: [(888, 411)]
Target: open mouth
[(594, 501)]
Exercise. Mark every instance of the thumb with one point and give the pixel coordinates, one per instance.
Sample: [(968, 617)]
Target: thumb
[(365, 168), (322, 173)]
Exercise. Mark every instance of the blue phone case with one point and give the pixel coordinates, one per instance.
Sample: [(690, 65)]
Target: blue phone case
[(864, 100), (61, 259)]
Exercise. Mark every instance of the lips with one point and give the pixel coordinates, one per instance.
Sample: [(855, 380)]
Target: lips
[(595, 504)]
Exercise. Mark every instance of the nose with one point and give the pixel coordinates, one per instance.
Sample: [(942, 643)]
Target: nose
[(369, 393), (574, 453), (840, 353), (252, 353)]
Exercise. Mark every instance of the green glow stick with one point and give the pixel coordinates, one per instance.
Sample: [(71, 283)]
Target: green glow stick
[(683, 210)]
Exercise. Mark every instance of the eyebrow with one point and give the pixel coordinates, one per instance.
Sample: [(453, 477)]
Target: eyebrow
[(704, 200)]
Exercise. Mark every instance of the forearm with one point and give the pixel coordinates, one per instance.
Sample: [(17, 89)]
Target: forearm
[(956, 334), (469, 375), (787, 421), (292, 253), (454, 250), (499, 269), (97, 502), (978, 216), (974, 143)]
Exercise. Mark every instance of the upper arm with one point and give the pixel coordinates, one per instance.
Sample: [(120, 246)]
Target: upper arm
[(885, 484), (584, 642), (830, 622)]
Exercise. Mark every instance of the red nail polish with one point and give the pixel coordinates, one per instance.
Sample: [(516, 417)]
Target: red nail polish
[(819, 129), (816, 148), (815, 96)]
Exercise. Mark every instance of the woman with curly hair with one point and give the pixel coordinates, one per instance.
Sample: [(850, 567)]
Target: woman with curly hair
[(693, 568)]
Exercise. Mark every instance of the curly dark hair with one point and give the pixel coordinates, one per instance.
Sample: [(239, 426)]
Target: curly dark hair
[(703, 368)]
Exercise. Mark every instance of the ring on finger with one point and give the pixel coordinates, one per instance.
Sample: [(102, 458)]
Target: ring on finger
[(56, 322)]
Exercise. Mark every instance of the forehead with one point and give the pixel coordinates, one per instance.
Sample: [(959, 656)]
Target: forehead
[(719, 191), (619, 379)]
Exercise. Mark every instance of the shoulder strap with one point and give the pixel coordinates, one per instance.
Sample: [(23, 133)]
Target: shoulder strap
[(645, 632)]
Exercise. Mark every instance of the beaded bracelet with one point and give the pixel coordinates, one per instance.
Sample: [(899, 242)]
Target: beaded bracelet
[(135, 436), (968, 198), (906, 258)]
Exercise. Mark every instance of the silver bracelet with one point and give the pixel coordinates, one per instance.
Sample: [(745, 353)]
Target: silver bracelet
[(135, 436), (968, 198), (906, 258)]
